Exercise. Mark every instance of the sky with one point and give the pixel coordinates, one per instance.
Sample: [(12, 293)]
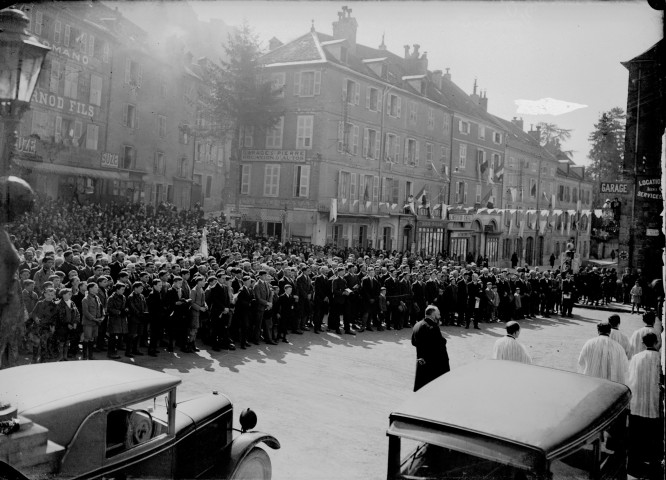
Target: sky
[(567, 51)]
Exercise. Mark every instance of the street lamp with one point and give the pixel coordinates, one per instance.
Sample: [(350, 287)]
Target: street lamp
[(21, 59)]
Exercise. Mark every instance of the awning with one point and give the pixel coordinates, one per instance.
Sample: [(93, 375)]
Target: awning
[(71, 170)]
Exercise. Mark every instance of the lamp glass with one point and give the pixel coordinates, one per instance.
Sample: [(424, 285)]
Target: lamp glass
[(31, 65), (9, 71)]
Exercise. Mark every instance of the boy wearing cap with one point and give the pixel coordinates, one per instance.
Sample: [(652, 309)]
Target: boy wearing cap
[(198, 308), (117, 322), (92, 315), (67, 319), (136, 315), (286, 312)]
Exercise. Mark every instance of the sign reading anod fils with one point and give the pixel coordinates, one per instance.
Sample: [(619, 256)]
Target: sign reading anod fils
[(615, 188)]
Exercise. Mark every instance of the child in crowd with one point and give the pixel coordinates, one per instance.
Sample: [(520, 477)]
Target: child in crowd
[(517, 305), (383, 307), (67, 321), (41, 326)]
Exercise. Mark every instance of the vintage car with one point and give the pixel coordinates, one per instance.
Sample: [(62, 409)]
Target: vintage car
[(106, 419), (497, 419)]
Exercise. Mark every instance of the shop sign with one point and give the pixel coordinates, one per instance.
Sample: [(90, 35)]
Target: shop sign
[(69, 53), (461, 234), (110, 160), (26, 145), (650, 189), (430, 224), (457, 217), (67, 105), (273, 156), (652, 232), (615, 188)]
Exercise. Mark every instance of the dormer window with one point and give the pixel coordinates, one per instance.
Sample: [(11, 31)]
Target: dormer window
[(378, 66)]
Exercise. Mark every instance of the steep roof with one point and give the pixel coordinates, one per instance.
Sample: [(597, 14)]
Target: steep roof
[(304, 48)]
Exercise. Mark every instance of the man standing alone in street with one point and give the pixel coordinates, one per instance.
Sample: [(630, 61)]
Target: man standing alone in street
[(432, 358)]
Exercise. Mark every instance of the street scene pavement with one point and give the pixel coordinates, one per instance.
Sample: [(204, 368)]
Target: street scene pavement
[(327, 397)]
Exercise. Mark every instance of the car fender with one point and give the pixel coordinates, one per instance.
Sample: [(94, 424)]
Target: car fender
[(233, 455)]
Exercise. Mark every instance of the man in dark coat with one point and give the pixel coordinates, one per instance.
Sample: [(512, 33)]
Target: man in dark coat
[(432, 358), (322, 297), (370, 300)]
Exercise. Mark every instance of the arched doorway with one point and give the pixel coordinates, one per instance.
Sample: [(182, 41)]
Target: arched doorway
[(519, 248), (529, 251), (407, 238), (539, 255)]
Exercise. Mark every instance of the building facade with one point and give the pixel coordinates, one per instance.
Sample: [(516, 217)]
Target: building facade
[(375, 150), (641, 235), (107, 117)]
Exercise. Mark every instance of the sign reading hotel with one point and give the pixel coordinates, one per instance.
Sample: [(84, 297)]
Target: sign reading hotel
[(67, 105), (457, 217), (273, 156), (650, 189), (615, 188), (110, 160)]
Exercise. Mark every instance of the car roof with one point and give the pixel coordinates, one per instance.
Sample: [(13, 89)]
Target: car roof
[(60, 395), (510, 412)]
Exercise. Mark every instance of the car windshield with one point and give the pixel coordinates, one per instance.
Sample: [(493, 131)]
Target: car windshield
[(604, 454)]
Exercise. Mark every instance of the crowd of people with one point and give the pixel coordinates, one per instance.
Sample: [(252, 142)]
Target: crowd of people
[(126, 277)]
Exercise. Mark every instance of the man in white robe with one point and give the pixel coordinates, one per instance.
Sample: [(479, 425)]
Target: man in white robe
[(509, 348), (617, 335), (636, 340), (645, 424), (602, 357)]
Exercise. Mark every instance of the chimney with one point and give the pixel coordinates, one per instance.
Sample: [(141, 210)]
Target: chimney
[(274, 43), (415, 52), (422, 63), (382, 46), (536, 134), (406, 51), (447, 75), (483, 101), (518, 122), (346, 28), (437, 78)]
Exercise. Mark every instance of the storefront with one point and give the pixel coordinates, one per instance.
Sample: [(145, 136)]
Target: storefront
[(431, 236)]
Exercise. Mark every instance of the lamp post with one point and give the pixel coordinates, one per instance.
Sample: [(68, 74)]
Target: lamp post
[(21, 58)]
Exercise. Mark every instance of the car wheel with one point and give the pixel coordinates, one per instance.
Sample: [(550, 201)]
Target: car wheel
[(255, 466)]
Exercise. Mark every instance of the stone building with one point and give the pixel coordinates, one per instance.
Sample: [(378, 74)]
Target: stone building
[(641, 235)]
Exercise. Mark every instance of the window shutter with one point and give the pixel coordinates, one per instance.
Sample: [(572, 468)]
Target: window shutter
[(406, 158), (353, 191), (356, 135), (366, 140), (125, 114), (357, 93), (305, 181), (465, 194), (297, 177), (416, 157), (367, 97), (341, 136), (376, 145), (396, 190), (397, 149), (140, 75), (128, 67), (58, 127), (345, 98), (460, 126), (375, 189), (399, 106), (317, 82), (380, 101), (297, 83)]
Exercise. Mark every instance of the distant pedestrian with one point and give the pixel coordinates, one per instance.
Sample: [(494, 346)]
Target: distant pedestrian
[(508, 347), (432, 358), (636, 297)]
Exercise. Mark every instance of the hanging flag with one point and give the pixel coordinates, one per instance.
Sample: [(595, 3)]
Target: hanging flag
[(447, 178), (491, 174), (479, 160), (542, 225), (545, 196), (522, 225), (422, 198), (589, 223), (552, 201), (511, 215), (366, 193), (514, 193), (486, 197), (533, 190), (203, 248), (563, 220), (499, 175), (333, 213)]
